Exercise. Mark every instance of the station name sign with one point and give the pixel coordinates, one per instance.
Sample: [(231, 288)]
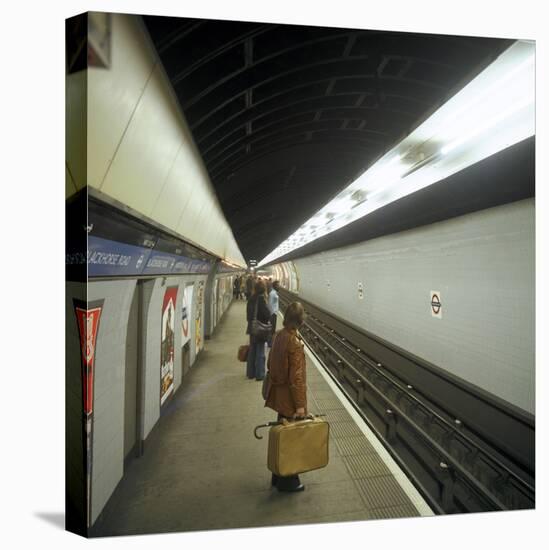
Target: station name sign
[(115, 243), (225, 268), (107, 258)]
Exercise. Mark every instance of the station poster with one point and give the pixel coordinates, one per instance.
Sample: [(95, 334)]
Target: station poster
[(167, 343), (219, 299), (186, 314), (221, 295), (215, 290), (199, 342), (88, 324), (87, 318)]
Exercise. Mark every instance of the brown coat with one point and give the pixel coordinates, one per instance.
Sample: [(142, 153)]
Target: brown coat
[(286, 364)]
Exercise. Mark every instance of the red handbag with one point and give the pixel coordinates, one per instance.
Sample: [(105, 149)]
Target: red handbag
[(243, 353)]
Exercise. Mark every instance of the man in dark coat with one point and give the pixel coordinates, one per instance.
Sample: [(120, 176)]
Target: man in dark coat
[(249, 287)]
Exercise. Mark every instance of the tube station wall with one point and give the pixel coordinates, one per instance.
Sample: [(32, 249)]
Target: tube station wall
[(480, 266), (129, 345)]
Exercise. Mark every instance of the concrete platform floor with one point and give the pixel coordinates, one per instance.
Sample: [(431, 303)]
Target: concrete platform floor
[(203, 468)]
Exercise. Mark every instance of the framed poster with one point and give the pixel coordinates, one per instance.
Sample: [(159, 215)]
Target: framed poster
[(213, 311), (186, 314), (199, 343), (220, 296), (167, 343), (87, 318)]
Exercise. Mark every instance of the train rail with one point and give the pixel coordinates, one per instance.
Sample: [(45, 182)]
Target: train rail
[(464, 450)]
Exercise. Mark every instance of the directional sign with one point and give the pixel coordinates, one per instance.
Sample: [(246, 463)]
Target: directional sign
[(436, 304)]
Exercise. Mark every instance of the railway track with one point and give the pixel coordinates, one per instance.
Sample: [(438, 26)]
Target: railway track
[(464, 450)]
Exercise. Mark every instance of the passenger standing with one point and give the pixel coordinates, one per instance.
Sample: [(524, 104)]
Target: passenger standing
[(273, 305), (236, 287), (249, 287), (287, 390), (257, 304), (242, 287)]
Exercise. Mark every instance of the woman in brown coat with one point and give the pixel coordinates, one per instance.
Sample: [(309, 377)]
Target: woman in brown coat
[(287, 391)]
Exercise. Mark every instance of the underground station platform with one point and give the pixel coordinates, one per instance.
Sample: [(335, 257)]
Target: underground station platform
[(203, 469)]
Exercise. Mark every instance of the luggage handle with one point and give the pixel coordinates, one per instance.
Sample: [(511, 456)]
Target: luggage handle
[(309, 416), (283, 421)]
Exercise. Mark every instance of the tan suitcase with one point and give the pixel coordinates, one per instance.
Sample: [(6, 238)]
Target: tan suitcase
[(298, 447)]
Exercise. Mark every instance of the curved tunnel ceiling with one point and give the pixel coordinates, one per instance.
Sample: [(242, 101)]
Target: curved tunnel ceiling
[(285, 116)]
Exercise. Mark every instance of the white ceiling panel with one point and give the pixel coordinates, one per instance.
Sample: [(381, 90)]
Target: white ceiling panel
[(114, 94), (75, 127), (175, 193), (70, 187), (147, 150)]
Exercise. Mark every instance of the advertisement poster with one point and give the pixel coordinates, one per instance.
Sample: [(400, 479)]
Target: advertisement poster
[(167, 343), (87, 317), (199, 344), (88, 323), (215, 290), (219, 299), (221, 293), (186, 314)]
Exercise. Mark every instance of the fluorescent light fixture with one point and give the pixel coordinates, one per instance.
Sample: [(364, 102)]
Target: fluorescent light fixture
[(492, 112), (490, 124)]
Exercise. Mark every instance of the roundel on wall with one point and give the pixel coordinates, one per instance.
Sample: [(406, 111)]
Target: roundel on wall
[(436, 304)]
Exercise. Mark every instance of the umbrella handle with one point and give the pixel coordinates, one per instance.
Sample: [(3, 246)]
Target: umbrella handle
[(266, 425)]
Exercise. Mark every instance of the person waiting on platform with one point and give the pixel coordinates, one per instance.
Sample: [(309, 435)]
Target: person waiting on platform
[(273, 305), (242, 287), (249, 287), (257, 305), (236, 287), (287, 384)]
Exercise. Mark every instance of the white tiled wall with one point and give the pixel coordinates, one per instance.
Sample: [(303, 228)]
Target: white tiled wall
[(108, 415), (74, 454), (483, 266), (108, 442)]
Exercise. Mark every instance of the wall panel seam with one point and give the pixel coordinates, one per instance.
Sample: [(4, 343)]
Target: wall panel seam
[(111, 161)]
